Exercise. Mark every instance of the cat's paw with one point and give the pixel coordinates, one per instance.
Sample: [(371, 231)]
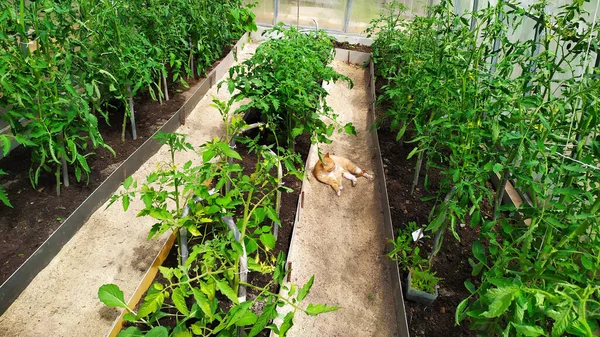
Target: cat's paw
[(369, 175), (339, 193), (354, 183)]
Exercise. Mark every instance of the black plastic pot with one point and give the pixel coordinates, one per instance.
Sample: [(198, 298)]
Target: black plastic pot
[(417, 295)]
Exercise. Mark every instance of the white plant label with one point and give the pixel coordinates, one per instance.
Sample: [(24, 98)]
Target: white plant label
[(416, 235)]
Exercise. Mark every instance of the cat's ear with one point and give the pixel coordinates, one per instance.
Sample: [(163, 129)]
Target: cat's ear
[(327, 155)]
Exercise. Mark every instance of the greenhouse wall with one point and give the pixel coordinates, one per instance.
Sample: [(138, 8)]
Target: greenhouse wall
[(353, 16)]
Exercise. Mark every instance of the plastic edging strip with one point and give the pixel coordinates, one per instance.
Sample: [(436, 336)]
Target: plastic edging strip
[(387, 218)]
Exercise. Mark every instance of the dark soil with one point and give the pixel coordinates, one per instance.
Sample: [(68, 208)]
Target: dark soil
[(37, 213), (451, 263), (355, 47)]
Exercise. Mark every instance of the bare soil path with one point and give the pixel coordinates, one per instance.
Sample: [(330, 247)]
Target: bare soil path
[(340, 240), (111, 247)]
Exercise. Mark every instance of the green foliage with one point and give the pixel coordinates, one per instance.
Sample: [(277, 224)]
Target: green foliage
[(88, 55), (407, 254), (5, 142), (283, 81), (192, 290), (424, 280), (405, 251), (46, 108), (478, 101)]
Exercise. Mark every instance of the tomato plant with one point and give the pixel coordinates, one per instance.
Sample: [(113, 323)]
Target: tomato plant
[(213, 268), (66, 63), (480, 102), (283, 81)]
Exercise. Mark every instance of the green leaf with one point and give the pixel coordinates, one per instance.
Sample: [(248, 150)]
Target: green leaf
[(202, 302), (297, 132), (238, 312), (6, 144), (197, 329), (112, 296), (460, 314), (268, 314), (288, 322), (305, 289), (248, 319), (501, 299), (413, 152), (160, 214), (314, 310), (479, 251), (574, 168), (561, 321), (497, 168), (230, 85), (129, 317), (182, 333), (127, 182), (350, 129), (167, 273), (4, 197), (208, 155), (476, 218), (229, 152), (588, 262), (131, 332), (435, 225), (152, 302), (227, 291), (178, 298), (470, 286), (555, 222), (158, 331), (268, 240), (528, 330), (125, 202)]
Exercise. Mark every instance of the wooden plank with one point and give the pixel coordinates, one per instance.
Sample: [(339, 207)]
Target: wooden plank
[(144, 285)]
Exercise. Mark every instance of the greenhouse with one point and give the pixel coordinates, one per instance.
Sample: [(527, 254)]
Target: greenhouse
[(319, 168)]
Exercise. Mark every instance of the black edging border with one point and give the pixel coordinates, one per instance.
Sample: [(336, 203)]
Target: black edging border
[(22, 277), (387, 215)]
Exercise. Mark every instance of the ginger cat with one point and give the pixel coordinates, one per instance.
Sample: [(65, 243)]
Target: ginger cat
[(331, 170)]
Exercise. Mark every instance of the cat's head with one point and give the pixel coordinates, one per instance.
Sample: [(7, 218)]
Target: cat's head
[(328, 163)]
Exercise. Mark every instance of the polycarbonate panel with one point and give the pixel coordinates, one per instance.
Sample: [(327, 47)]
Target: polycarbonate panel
[(264, 11), (419, 7), (462, 6), (328, 13), (580, 62), (362, 12)]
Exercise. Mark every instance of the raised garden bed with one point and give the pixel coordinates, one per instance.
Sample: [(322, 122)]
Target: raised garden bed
[(32, 239), (451, 264), (168, 256), (532, 263)]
